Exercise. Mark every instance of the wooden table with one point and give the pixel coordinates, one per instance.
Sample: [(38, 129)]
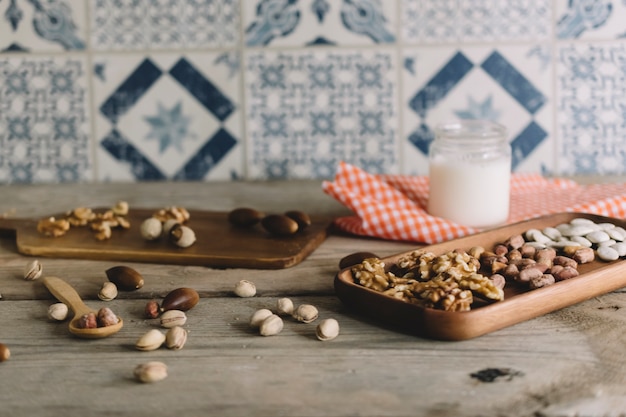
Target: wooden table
[(570, 362)]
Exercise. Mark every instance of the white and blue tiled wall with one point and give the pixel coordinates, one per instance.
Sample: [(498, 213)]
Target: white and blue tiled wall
[(204, 90)]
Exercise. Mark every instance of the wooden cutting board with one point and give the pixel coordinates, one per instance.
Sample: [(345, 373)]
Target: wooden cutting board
[(219, 244)]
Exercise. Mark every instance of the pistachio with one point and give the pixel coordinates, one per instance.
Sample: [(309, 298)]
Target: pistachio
[(299, 217), (151, 228), (5, 353), (126, 278), (152, 309), (258, 316), (175, 338), (306, 313), (284, 307), (33, 270), (58, 311), (152, 340), (355, 258), (108, 291), (271, 326), (245, 217), (328, 329), (182, 236), (106, 317), (279, 225), (171, 318), (182, 299), (245, 288), (150, 372)]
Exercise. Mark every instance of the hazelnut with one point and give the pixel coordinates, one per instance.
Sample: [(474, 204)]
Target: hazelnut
[(328, 329), (58, 311), (152, 340), (87, 321), (245, 288), (151, 228), (171, 318), (150, 372), (152, 309), (271, 326), (33, 270), (5, 353), (106, 317)]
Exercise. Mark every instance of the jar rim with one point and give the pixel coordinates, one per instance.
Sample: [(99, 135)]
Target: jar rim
[(471, 129)]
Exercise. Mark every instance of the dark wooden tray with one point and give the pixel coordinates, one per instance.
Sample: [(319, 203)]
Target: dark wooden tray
[(519, 304), (219, 244)]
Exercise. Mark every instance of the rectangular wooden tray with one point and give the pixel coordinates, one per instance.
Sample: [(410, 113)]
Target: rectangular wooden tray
[(520, 304)]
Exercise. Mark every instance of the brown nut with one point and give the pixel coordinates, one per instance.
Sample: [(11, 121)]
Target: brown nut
[(355, 259), (245, 217), (515, 242), (584, 255), (279, 225), (152, 309), (126, 278), (106, 317), (542, 281), (565, 261), (525, 275), (5, 353), (182, 299), (299, 217), (566, 273), (87, 321)]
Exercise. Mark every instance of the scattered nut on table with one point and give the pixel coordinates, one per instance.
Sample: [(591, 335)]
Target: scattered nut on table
[(306, 313), (151, 340), (33, 270), (172, 318), (150, 372), (271, 326), (182, 236), (152, 309), (327, 329), (258, 316), (5, 353), (245, 288), (58, 311), (126, 278), (284, 307), (151, 228), (175, 338), (183, 299), (108, 292)]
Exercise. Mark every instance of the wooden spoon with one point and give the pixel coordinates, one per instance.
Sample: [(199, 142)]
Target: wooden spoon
[(65, 293)]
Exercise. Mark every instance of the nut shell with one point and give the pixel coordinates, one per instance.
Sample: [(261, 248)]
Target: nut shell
[(58, 312), (33, 270), (182, 299), (258, 316), (182, 236), (172, 318), (284, 307), (175, 338), (245, 217), (306, 313), (279, 225), (151, 228), (271, 326), (126, 278), (328, 329), (245, 288), (108, 292), (152, 340), (150, 372)]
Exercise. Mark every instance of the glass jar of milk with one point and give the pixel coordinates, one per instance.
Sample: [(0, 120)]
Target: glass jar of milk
[(470, 173)]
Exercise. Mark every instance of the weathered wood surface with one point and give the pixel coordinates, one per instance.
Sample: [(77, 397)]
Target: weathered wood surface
[(566, 363)]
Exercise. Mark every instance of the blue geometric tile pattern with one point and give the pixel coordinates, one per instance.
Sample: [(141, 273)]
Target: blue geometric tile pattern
[(318, 22), (42, 25), (582, 16), (44, 120), (592, 106), (500, 79), (308, 111), (155, 24), (168, 121)]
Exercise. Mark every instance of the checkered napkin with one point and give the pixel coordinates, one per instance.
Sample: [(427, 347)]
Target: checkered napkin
[(394, 206)]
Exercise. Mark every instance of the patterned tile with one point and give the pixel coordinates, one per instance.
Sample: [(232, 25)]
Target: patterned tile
[(158, 24), (444, 21), (306, 111), (590, 19), (42, 25), (44, 123), (514, 90), (318, 22), (591, 91), (167, 116)]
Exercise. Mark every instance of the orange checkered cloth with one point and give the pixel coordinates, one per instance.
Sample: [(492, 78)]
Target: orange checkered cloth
[(394, 206)]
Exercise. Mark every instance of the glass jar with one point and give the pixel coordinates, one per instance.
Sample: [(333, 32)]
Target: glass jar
[(470, 173)]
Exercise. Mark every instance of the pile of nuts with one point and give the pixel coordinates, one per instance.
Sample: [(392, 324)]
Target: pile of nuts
[(453, 281), (169, 222), (286, 224), (103, 318), (101, 223)]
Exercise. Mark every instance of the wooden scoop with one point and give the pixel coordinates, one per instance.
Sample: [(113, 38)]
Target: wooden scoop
[(65, 293)]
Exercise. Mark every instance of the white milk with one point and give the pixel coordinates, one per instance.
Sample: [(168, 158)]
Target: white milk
[(471, 193)]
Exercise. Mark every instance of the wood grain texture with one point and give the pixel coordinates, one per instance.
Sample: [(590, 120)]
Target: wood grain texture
[(569, 361)]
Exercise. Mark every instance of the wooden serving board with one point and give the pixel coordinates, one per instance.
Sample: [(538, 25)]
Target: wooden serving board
[(219, 244), (519, 304)]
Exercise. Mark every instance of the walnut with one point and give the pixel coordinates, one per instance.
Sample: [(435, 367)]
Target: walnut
[(53, 227), (179, 214), (80, 216), (371, 274), (482, 285), (443, 295)]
